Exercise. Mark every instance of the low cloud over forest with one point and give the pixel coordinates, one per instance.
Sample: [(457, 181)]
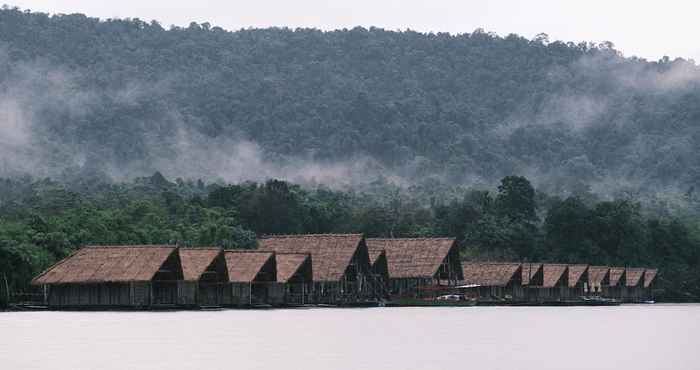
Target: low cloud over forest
[(125, 98)]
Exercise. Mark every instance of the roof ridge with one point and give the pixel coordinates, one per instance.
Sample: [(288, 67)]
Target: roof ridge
[(438, 238), (133, 246), (271, 236), (246, 251), (200, 248)]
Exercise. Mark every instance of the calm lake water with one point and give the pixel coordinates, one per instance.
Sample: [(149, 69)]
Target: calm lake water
[(635, 337)]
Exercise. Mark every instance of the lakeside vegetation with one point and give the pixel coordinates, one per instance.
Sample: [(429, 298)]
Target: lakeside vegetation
[(42, 221)]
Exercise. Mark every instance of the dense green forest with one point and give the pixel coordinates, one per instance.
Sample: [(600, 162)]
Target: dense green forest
[(129, 98), (42, 221)]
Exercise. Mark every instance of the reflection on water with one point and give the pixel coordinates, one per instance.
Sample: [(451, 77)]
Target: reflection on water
[(635, 337)]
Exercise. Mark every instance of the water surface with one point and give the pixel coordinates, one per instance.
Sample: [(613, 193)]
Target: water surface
[(635, 337)]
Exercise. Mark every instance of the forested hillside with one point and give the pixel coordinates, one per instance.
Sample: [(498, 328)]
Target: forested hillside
[(127, 98)]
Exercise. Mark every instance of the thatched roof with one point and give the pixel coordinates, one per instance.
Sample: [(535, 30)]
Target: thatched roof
[(196, 261), (577, 274), (289, 264), (530, 270), (617, 276), (108, 264), (649, 276), (634, 277), (331, 253), (598, 275), (245, 266), (554, 275), (413, 258), (491, 273)]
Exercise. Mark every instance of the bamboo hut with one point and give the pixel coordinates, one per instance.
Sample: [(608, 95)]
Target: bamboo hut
[(204, 277), (649, 279), (598, 280), (341, 269), (493, 281), (295, 273), (252, 278), (113, 276), (618, 283), (419, 263), (634, 285), (555, 284), (578, 281)]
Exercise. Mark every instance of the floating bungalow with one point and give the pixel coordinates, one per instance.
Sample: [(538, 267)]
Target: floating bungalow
[(341, 268), (493, 281), (555, 284), (578, 280), (414, 264), (618, 283), (598, 280), (114, 276), (634, 285), (205, 277), (295, 272), (252, 278)]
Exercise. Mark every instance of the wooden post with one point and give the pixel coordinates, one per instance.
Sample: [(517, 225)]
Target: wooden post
[(7, 288)]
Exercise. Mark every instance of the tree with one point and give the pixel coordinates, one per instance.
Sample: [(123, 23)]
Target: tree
[(516, 199), (567, 229)]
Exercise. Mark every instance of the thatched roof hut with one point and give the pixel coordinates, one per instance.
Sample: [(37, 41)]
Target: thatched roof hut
[(634, 277), (649, 276), (197, 261), (555, 275), (578, 275), (419, 257), (294, 267), (617, 276), (251, 266), (598, 276), (112, 264), (491, 273), (532, 274), (331, 253)]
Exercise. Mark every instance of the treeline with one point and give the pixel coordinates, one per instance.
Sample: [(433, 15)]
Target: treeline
[(136, 96), (42, 221)]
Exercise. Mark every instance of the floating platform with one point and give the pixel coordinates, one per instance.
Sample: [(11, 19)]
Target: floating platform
[(415, 302)]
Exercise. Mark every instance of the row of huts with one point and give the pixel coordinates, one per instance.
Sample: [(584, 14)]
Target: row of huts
[(290, 270), (537, 282)]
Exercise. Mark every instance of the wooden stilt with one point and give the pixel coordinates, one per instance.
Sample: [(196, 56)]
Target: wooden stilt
[(7, 288)]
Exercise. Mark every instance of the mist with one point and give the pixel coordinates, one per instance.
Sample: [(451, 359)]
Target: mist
[(596, 122)]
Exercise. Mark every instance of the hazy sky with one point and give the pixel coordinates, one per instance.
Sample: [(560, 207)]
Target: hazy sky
[(649, 29)]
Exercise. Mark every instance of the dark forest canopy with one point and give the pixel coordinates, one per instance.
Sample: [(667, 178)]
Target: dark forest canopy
[(128, 97), (42, 221)]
